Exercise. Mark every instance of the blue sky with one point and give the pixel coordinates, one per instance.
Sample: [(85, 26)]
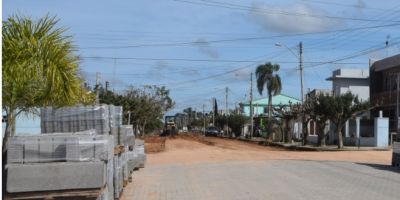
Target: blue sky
[(142, 35)]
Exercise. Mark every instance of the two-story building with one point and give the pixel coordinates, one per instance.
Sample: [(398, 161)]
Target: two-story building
[(355, 81), (385, 89)]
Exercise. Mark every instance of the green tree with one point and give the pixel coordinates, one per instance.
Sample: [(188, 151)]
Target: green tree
[(321, 117), (267, 78), (39, 68), (221, 121), (288, 113), (236, 123), (146, 106), (339, 109)]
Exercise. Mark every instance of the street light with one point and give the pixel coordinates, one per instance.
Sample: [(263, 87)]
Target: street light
[(291, 51), (300, 57)]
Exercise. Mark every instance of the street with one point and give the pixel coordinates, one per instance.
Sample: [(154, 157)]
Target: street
[(228, 169)]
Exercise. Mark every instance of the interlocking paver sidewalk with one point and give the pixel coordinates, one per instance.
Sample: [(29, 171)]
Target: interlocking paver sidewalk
[(275, 179)]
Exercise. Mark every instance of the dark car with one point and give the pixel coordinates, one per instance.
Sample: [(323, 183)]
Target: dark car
[(212, 131)]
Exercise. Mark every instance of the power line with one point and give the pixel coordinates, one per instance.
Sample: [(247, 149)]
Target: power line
[(348, 5), (271, 11), (240, 39), (203, 60), (357, 54), (343, 37)]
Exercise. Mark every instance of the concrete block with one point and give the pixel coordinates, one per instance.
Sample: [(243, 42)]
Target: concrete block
[(139, 142), (141, 160), (115, 133), (15, 150), (31, 150), (110, 179), (60, 148), (45, 149), (126, 136), (90, 147), (132, 165), (55, 176), (118, 179)]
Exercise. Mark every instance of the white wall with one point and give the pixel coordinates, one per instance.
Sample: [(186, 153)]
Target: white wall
[(358, 87)]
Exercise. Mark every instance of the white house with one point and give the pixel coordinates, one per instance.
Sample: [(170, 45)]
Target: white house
[(355, 81)]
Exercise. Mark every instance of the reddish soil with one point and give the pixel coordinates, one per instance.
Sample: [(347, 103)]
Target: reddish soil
[(188, 150)]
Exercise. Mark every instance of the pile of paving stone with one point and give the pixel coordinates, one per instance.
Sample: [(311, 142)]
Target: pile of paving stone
[(80, 148)]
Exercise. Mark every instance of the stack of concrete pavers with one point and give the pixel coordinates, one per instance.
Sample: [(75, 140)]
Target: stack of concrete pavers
[(104, 118), (132, 159), (396, 154), (59, 161), (88, 140), (140, 153), (118, 176), (126, 136)]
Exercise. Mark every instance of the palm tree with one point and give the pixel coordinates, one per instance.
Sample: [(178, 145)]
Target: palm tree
[(39, 68), (267, 78)]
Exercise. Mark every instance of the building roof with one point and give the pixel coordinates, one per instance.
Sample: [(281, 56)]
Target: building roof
[(386, 63), (349, 74), (280, 99)]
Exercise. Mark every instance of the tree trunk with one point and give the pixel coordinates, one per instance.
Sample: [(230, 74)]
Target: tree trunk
[(321, 134), (144, 127), (10, 124), (269, 105), (339, 134), (304, 130), (284, 132), (288, 135)]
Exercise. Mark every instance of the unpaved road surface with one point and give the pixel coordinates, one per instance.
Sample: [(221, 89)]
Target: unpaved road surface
[(230, 169)]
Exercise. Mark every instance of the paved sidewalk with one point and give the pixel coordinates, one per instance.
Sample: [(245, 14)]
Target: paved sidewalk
[(275, 179)]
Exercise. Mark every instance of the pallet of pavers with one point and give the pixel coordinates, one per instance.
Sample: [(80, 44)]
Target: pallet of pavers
[(140, 153), (396, 154), (105, 119), (84, 152), (60, 165)]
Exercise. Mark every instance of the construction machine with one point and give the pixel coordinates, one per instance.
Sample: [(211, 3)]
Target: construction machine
[(169, 126)]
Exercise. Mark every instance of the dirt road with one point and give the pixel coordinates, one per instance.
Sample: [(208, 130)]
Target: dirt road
[(185, 151)]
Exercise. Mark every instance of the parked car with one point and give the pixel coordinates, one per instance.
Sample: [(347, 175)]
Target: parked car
[(212, 131)]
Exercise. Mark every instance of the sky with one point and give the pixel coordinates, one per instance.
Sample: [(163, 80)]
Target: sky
[(197, 48)]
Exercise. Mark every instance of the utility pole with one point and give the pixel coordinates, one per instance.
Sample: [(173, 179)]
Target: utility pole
[(214, 111), (97, 87), (303, 117), (204, 122), (251, 104), (226, 100), (397, 101), (301, 71), (113, 79), (226, 108)]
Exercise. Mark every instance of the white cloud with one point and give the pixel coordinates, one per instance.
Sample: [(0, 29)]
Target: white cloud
[(282, 20), (206, 49), (360, 4), (242, 74)]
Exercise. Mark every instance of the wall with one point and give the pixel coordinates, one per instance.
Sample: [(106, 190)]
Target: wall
[(359, 87)]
